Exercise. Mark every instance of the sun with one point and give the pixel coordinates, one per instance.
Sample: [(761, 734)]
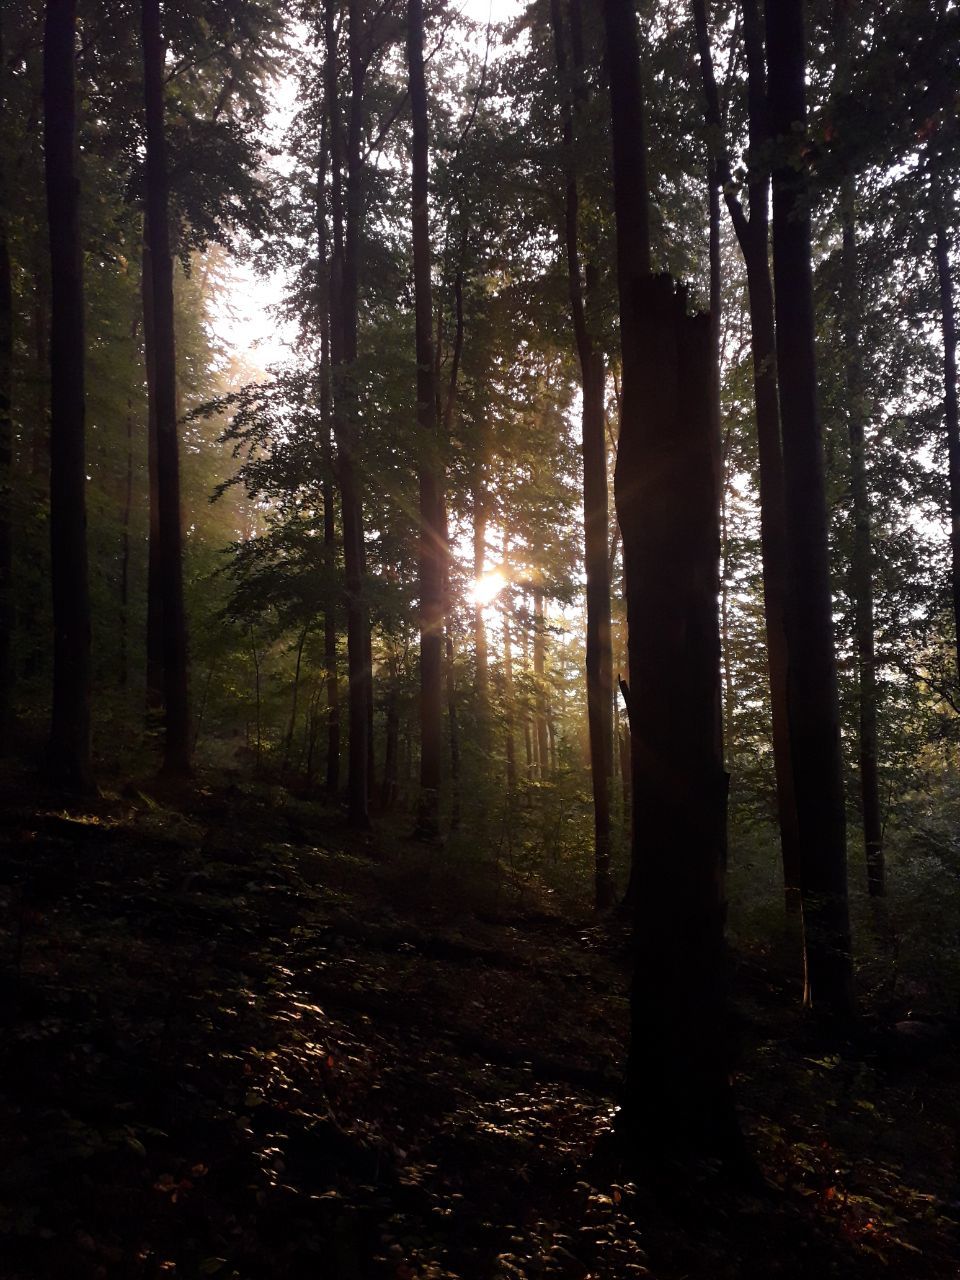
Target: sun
[(485, 589)]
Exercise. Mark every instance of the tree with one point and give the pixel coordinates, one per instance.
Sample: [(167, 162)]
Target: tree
[(668, 503), (70, 759), (177, 743), (812, 677), (599, 656), (433, 539)]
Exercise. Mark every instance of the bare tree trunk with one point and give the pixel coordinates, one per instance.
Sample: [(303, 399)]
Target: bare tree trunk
[(540, 682), (256, 689), (479, 625), (509, 701), (861, 560), (599, 656), (154, 639), (6, 443), (812, 676), (950, 414), (69, 759), (668, 503), (176, 754), (288, 744), (343, 351), (431, 496), (753, 236)]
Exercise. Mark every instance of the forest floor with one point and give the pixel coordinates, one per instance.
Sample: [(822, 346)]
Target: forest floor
[(240, 1042)]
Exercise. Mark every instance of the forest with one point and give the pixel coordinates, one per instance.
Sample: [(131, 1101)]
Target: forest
[(479, 639)]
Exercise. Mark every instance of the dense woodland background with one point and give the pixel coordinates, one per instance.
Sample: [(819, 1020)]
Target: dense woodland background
[(388, 578)]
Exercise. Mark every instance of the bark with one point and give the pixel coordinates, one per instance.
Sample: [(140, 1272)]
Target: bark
[(69, 759), (812, 676), (432, 534), (950, 415), (6, 447), (343, 353), (481, 654), (288, 744), (599, 654), (40, 436), (540, 682), (667, 488), (861, 559), (154, 646), (329, 520), (509, 714), (752, 230), (176, 750)]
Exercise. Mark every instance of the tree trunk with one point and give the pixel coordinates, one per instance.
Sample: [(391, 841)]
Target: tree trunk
[(599, 655), (861, 560), (950, 415), (753, 237), (288, 743), (70, 761), (431, 497), (329, 519), (508, 692), (6, 445), (540, 683), (343, 352), (667, 489), (481, 655), (176, 753), (154, 645), (812, 676)]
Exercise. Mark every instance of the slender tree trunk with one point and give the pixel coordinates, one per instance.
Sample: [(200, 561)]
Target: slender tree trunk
[(599, 655), (668, 503), (481, 654), (256, 691), (176, 753), (124, 663), (812, 676), (509, 715), (40, 436), (288, 744), (861, 560), (950, 414), (343, 351), (329, 519), (431, 498), (69, 762), (540, 682), (388, 794), (6, 443), (154, 645), (753, 237)]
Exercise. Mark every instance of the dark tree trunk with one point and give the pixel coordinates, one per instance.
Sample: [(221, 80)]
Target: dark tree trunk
[(481, 654), (812, 675), (6, 445), (329, 520), (69, 761), (668, 503), (291, 728), (599, 655), (540, 683), (432, 534), (950, 415), (389, 789), (154, 645), (861, 560), (343, 351), (509, 714), (753, 237), (176, 751), (40, 436)]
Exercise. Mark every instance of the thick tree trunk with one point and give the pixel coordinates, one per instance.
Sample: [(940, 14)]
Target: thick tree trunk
[(950, 415), (668, 503), (432, 534), (812, 676), (69, 761), (176, 752), (343, 351), (6, 445), (599, 655), (861, 560)]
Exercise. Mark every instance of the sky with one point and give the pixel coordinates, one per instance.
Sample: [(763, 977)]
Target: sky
[(243, 319)]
